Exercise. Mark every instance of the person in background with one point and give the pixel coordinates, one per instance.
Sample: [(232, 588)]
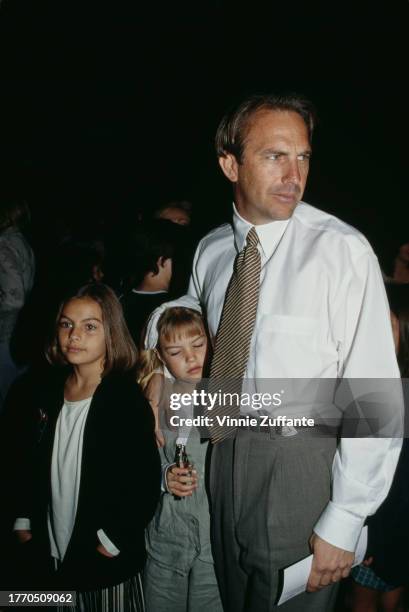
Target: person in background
[(179, 573), (17, 269), (147, 266), (393, 254), (380, 583), (77, 499), (178, 211), (401, 264)]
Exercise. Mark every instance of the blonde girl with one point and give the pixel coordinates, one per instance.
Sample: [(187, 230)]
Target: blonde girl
[(179, 573)]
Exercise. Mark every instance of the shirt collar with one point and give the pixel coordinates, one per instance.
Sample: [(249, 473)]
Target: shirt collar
[(268, 234)]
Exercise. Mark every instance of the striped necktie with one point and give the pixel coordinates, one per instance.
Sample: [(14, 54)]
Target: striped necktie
[(235, 330)]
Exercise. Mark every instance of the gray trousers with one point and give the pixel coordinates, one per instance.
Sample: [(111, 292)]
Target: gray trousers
[(167, 590), (266, 494)]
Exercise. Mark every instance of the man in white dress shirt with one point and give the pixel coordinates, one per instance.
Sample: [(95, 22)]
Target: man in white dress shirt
[(322, 313)]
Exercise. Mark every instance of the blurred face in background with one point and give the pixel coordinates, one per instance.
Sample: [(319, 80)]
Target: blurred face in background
[(176, 215)]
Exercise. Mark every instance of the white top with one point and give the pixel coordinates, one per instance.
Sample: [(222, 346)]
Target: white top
[(322, 313), (66, 473)]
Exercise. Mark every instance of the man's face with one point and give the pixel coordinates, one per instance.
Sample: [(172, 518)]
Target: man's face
[(270, 180)]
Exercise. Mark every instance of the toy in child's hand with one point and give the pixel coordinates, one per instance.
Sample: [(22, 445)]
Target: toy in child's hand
[(181, 482)]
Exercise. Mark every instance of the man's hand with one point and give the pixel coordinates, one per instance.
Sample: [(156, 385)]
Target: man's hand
[(180, 481), (329, 563), (23, 535)]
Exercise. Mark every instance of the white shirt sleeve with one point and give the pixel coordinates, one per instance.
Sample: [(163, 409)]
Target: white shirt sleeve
[(106, 543), (22, 523), (363, 468)]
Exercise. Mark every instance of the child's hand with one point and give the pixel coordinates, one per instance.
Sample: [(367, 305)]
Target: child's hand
[(23, 535), (181, 481), (103, 551)]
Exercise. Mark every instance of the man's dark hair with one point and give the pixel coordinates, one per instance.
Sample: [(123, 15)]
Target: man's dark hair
[(231, 133)]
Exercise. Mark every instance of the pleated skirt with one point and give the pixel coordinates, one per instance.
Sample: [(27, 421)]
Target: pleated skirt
[(124, 597)]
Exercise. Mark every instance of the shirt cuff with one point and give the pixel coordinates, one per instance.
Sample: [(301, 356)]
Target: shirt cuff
[(106, 543), (164, 484), (339, 528), (22, 523)]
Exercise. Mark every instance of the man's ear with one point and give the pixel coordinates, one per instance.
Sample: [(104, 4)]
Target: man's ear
[(229, 166), (160, 263)]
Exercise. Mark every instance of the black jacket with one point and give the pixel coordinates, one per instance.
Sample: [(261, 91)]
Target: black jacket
[(119, 487)]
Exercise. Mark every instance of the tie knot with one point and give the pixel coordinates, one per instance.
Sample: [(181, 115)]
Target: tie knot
[(252, 238)]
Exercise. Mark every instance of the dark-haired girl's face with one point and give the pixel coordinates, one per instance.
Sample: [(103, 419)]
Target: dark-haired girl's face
[(81, 335)]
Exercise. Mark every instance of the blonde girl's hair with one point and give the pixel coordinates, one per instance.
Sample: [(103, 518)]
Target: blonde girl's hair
[(121, 353), (174, 323)]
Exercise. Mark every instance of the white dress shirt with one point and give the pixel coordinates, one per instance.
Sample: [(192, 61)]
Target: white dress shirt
[(322, 313)]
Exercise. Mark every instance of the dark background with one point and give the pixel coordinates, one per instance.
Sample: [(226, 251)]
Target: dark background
[(111, 107)]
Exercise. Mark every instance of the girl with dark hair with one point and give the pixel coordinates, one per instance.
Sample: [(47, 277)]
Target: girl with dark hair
[(96, 433)]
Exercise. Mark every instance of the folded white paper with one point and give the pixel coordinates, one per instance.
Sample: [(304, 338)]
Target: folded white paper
[(296, 576)]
